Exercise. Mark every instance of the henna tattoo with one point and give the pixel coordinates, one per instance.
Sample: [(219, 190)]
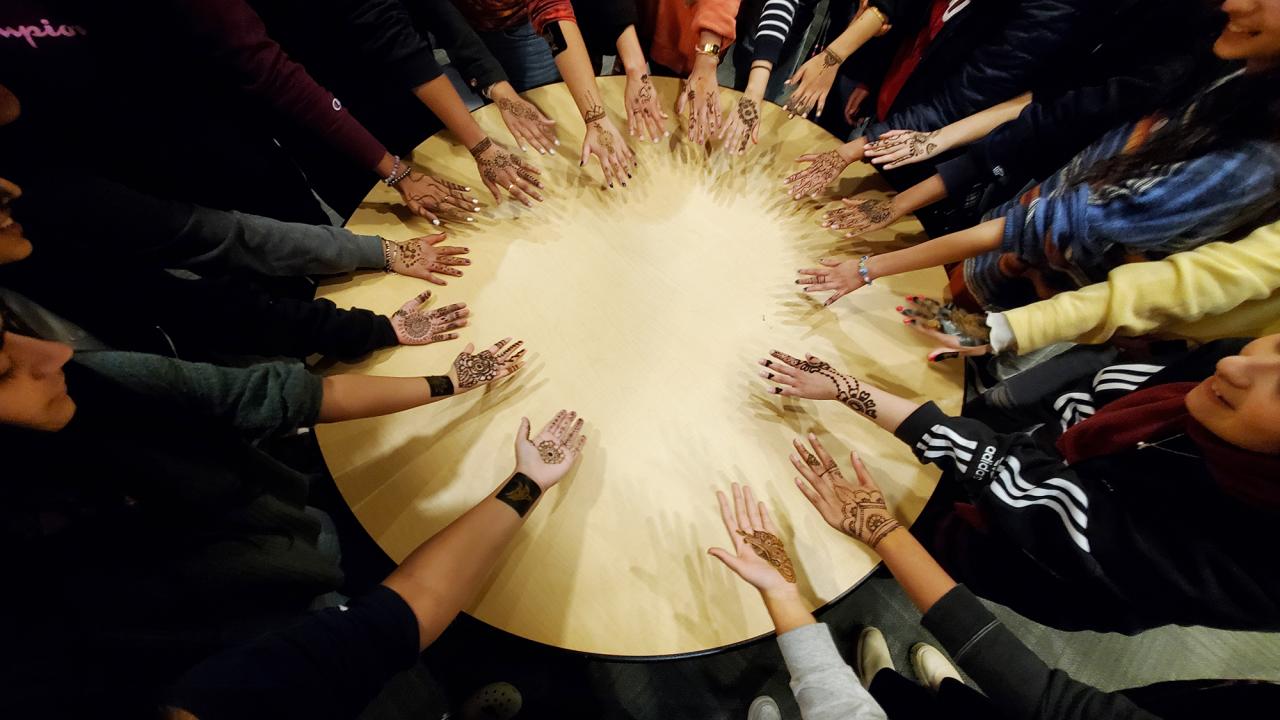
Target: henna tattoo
[(473, 370), (770, 548), (830, 59), (865, 214), (919, 144), (865, 514), (520, 493), (411, 253), (848, 390), (605, 137), (594, 113), (810, 459), (550, 452), (824, 169), (493, 163), (480, 147), (441, 385), (645, 94), (748, 115), (969, 328), (415, 328), (522, 110)]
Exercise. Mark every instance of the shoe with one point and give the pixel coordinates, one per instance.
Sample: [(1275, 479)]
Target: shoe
[(931, 666), (764, 708), (873, 655), (495, 701)]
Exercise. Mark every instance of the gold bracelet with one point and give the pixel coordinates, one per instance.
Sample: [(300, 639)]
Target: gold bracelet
[(712, 49), (884, 19)]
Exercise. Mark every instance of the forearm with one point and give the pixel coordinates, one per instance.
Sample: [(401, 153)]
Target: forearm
[(631, 54), (349, 396), (922, 194), (879, 406), (864, 27), (442, 575), (758, 79), (920, 576), (787, 609), (977, 126), (947, 249), (575, 67), (440, 97)]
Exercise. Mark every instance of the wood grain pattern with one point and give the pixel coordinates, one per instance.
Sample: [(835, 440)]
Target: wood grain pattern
[(644, 309)]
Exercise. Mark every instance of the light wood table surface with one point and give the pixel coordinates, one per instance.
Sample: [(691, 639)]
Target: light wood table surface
[(644, 309)]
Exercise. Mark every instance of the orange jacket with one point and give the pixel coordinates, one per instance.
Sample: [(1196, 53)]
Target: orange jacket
[(678, 24)]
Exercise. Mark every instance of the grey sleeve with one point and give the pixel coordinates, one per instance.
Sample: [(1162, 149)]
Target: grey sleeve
[(824, 685), (259, 401), (233, 240)]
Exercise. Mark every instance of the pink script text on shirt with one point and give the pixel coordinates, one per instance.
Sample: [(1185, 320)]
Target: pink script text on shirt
[(45, 29)]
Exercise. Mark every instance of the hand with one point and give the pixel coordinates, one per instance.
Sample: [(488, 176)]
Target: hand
[(814, 80), (743, 125), (430, 197), (700, 95), (823, 170), (904, 147), (528, 125), (475, 370), (862, 214), (858, 511), (421, 258), (958, 331), (758, 556), (500, 168), (546, 459), (854, 104), (415, 327), (815, 379), (842, 277), (605, 142), (645, 117)]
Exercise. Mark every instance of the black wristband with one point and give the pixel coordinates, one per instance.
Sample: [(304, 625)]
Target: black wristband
[(520, 493), (440, 385)]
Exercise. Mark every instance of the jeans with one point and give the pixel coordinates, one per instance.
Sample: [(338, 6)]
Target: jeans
[(524, 56)]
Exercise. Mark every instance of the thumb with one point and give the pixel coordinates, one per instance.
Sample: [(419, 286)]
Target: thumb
[(524, 430), (729, 559), (586, 154), (864, 476)]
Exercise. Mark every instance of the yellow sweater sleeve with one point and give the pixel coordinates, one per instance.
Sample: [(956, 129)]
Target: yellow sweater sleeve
[(1217, 290)]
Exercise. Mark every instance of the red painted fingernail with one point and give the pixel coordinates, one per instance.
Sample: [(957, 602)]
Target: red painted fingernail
[(899, 308), (908, 321)]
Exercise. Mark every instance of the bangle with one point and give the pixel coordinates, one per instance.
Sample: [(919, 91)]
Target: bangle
[(396, 178), (712, 49), (884, 19), (863, 272), (520, 493), (762, 64), (390, 253)]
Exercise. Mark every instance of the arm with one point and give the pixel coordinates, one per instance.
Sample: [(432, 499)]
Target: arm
[(602, 138), (824, 685), (896, 148), (645, 116), (1011, 675), (442, 575), (815, 77), (841, 278), (479, 68), (1141, 298)]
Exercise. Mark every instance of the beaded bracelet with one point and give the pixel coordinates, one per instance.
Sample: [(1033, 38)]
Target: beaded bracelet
[(395, 166), (862, 269), (394, 179), (390, 253)]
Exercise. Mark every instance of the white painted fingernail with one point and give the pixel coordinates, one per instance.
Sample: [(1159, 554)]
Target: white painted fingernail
[(435, 222), (471, 219), (557, 142), (553, 150), (476, 208)]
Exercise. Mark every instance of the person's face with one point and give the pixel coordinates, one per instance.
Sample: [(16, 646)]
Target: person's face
[(1252, 33), (33, 389), (14, 246), (1240, 402)]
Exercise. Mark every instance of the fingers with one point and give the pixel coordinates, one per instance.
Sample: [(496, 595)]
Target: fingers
[(574, 439), (864, 475), (494, 190), (809, 493), (733, 562), (439, 267), (523, 432), (586, 153), (740, 510), (548, 430), (566, 425), (450, 249), (416, 302), (606, 168), (838, 294), (779, 369), (753, 510), (765, 520), (821, 452), (497, 347), (779, 355), (511, 352), (727, 516)]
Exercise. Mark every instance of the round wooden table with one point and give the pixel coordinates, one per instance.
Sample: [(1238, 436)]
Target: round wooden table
[(644, 309)]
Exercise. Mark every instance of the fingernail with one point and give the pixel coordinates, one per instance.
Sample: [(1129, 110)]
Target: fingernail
[(524, 149), (435, 222), (899, 308), (468, 190), (908, 321), (541, 151), (553, 150), (471, 219), (476, 208), (557, 142), (812, 436)]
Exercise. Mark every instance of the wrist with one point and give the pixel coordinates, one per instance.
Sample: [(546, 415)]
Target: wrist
[(501, 90), (705, 62), (780, 596), (635, 70), (893, 540), (852, 150)]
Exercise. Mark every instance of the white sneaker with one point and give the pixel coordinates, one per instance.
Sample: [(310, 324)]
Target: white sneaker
[(495, 701), (931, 666), (764, 708), (873, 655)]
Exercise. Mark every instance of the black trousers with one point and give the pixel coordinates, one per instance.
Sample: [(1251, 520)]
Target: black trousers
[(903, 699)]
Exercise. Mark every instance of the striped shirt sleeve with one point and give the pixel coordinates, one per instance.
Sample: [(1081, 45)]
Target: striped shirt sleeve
[(773, 27)]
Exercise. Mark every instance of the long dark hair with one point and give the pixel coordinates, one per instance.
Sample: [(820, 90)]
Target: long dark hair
[(1246, 107)]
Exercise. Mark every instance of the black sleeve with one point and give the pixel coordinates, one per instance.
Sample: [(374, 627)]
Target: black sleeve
[(774, 26), (1012, 676), (469, 54), (1052, 130), (383, 31), (602, 22), (1003, 68), (329, 665)]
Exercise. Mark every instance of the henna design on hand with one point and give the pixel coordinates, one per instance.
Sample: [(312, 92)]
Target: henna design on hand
[(769, 547), (866, 516), (919, 144), (594, 113), (522, 110), (820, 173), (970, 328), (848, 390), (520, 493), (605, 137), (749, 116), (645, 94), (550, 452), (809, 458), (865, 214), (830, 60), (477, 369), (416, 328), (479, 148)]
